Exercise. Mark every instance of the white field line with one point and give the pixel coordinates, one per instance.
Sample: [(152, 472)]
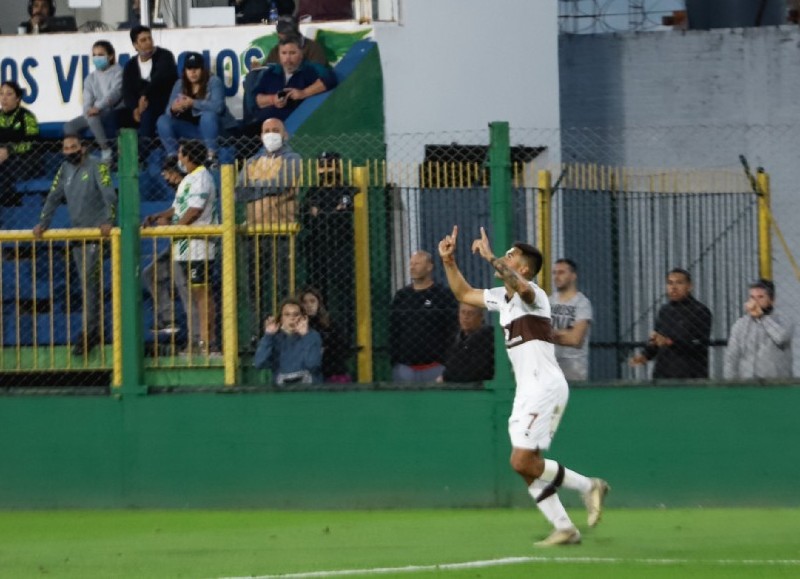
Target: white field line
[(517, 561)]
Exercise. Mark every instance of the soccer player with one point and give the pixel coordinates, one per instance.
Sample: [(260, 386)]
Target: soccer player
[(542, 391)]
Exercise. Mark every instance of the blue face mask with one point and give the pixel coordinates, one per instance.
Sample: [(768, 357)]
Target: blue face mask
[(100, 62)]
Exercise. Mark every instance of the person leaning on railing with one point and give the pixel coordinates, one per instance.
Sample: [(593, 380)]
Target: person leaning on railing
[(18, 129), (84, 184)]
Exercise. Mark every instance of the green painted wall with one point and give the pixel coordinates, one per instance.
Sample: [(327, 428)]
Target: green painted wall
[(657, 446)]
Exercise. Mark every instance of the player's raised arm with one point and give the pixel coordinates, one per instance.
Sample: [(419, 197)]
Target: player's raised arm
[(507, 268), (458, 285)]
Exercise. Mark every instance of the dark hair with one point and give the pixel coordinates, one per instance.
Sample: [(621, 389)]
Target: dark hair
[(532, 256), (204, 74), (72, 136), (291, 302), (323, 318), (287, 25), (137, 30), (13, 85), (567, 261), (291, 39), (194, 150), (766, 285), (51, 5), (109, 48), (171, 164), (681, 271)]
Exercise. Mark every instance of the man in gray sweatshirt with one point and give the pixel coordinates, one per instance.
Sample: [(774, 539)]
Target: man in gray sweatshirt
[(85, 185), (760, 344)]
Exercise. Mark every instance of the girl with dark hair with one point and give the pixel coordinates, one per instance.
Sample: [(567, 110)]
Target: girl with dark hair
[(334, 347), (102, 99), (18, 129), (196, 108)]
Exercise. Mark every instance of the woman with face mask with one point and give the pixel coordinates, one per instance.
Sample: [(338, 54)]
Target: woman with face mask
[(102, 99), (18, 129)]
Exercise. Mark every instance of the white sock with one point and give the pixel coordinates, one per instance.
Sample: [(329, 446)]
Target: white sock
[(551, 507), (572, 480)]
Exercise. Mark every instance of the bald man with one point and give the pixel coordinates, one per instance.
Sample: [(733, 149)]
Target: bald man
[(422, 321)]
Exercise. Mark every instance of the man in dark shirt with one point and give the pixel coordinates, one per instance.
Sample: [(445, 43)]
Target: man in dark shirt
[(147, 82), (422, 321), (680, 340), (470, 357)]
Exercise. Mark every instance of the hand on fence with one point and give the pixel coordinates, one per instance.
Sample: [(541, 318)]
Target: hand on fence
[(105, 229), (637, 360), (660, 340), (38, 230)]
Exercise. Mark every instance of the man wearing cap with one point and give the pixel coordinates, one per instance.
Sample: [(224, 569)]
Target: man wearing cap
[(197, 107), (312, 51), (282, 88)]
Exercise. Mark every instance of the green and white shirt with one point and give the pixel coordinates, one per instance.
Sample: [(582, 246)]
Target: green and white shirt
[(197, 190)]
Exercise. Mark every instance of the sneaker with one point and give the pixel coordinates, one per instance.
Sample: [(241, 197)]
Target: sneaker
[(165, 329), (106, 155), (594, 500), (561, 537)]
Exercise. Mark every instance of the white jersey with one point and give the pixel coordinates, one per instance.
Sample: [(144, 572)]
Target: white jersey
[(198, 191), (529, 337), (542, 391)]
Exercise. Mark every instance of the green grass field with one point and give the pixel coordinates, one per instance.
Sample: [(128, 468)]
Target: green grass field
[(708, 543)]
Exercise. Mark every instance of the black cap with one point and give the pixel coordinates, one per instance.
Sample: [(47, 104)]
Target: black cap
[(328, 156), (194, 60), (287, 25)]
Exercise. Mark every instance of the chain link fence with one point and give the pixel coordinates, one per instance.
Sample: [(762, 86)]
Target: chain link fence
[(627, 206)]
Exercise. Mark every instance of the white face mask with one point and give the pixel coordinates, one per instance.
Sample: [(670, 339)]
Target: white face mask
[(272, 141)]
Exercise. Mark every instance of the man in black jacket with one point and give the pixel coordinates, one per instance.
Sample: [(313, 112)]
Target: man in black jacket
[(421, 324), (147, 82), (681, 337)]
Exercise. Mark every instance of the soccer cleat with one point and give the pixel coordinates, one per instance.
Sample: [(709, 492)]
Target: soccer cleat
[(561, 537), (594, 500)]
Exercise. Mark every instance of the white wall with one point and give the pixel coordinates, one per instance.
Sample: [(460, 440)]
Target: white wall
[(453, 65)]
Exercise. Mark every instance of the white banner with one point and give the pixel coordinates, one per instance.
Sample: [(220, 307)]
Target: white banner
[(51, 67)]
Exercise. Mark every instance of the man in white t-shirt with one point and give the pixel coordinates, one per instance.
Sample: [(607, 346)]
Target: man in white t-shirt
[(542, 391), (572, 317), (195, 204)]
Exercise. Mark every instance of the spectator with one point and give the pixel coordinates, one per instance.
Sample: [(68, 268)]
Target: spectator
[(257, 11), (102, 99), (197, 108), (147, 81), (327, 218), (571, 313), (268, 182), (470, 357), (84, 184), (760, 345), (680, 341), (161, 275), (282, 88), (287, 27), (195, 204), (290, 348), (421, 323), (40, 12), (335, 350), (18, 130)]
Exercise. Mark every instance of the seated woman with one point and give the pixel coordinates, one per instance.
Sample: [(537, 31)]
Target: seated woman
[(290, 348), (334, 346), (196, 108), (18, 129), (102, 99)]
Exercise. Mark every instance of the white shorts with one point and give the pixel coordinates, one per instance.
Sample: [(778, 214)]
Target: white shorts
[(534, 418)]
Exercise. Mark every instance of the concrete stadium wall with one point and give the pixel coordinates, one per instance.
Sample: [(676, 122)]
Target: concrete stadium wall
[(657, 446), (695, 99)]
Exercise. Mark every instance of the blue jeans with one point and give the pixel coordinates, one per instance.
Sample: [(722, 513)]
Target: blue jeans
[(171, 129)]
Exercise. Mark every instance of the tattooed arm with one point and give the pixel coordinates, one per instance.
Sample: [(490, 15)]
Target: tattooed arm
[(505, 268)]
